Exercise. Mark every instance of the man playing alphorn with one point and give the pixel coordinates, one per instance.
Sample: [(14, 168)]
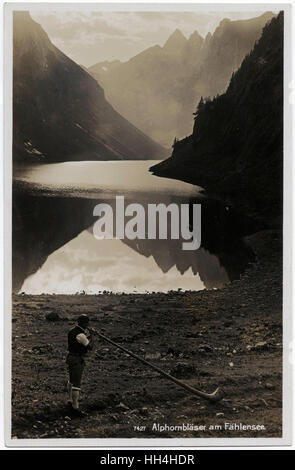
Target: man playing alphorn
[(79, 343)]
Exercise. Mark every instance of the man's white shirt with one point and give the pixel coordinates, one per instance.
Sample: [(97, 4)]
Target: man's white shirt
[(82, 338)]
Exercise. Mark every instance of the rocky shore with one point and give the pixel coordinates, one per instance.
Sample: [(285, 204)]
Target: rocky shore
[(230, 337)]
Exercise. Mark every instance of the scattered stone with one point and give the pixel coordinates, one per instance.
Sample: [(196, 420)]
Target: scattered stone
[(52, 316), (269, 386), (256, 403), (205, 348), (122, 406), (247, 408), (260, 346), (156, 355)]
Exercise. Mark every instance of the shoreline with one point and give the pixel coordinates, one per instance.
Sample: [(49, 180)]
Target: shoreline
[(229, 337)]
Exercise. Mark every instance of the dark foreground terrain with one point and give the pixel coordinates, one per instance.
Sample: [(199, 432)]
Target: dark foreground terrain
[(229, 338)]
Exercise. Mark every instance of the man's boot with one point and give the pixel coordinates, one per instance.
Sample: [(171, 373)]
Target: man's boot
[(75, 405)]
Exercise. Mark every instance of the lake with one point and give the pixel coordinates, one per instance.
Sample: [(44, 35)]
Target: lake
[(55, 251), (102, 180)]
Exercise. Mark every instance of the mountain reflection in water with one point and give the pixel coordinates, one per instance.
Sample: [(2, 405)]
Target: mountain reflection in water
[(55, 251)]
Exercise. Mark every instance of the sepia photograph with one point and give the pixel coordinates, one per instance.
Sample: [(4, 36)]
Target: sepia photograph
[(147, 160)]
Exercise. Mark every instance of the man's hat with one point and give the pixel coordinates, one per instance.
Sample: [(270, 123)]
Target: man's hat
[(83, 319)]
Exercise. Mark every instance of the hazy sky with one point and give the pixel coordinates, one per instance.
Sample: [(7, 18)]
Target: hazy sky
[(90, 37)]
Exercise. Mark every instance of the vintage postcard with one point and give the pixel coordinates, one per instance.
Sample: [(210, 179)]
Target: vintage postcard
[(148, 224)]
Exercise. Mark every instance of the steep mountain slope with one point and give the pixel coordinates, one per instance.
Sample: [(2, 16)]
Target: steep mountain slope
[(228, 46), (236, 149), (60, 112), (159, 88)]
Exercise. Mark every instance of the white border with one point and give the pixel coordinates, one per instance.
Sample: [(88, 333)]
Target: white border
[(288, 225)]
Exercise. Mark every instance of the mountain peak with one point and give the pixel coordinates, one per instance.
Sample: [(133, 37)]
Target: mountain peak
[(177, 34), (208, 37), (196, 39), (175, 41)]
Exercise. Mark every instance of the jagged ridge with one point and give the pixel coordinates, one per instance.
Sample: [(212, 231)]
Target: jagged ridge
[(159, 88), (236, 149)]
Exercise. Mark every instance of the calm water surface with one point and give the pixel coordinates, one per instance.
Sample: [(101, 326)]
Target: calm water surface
[(55, 250)]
